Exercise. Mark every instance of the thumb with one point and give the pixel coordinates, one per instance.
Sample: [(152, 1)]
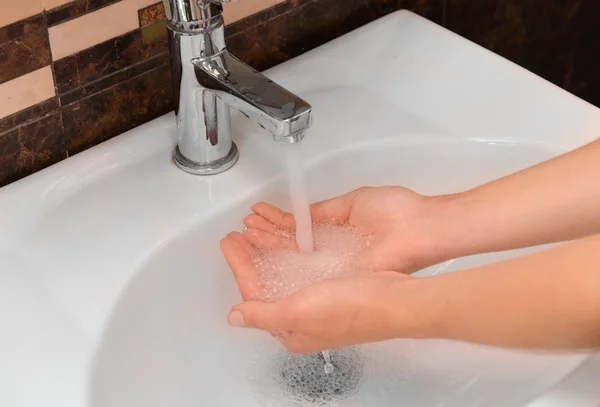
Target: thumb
[(266, 316), (334, 209)]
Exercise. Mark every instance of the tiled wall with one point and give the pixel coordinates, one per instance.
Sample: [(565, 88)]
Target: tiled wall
[(76, 73)]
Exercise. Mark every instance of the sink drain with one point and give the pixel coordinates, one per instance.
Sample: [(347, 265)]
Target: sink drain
[(363, 376), (304, 379)]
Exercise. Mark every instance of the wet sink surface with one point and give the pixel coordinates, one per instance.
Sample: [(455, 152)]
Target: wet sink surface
[(113, 286)]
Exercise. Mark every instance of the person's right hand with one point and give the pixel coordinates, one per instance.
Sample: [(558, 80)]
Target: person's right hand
[(354, 309), (399, 224)]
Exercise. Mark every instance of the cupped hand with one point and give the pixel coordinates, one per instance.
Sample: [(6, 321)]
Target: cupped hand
[(328, 315), (399, 224)]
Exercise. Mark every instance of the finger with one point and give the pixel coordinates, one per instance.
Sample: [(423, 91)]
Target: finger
[(241, 265), (244, 243), (300, 344), (266, 316), (258, 222), (264, 240), (333, 210), (275, 215)]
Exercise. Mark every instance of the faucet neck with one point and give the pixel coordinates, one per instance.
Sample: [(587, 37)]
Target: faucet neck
[(192, 16)]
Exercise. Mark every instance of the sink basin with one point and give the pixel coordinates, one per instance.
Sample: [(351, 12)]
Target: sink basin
[(113, 291)]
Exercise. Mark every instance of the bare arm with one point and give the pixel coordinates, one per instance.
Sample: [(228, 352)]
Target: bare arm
[(557, 200), (547, 300)]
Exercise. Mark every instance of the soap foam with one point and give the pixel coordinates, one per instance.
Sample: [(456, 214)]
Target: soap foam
[(283, 272)]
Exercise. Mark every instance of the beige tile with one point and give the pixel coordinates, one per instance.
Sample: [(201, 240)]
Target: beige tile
[(90, 29), (15, 10), (50, 4), (117, 19), (26, 91), (245, 8)]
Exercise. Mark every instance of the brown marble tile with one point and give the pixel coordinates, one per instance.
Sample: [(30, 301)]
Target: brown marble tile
[(151, 14), (30, 148), (66, 75), (23, 55), (114, 79), (75, 9), (21, 28), (104, 59), (262, 17), (117, 109), (557, 40), (314, 23), (50, 5), (28, 115)]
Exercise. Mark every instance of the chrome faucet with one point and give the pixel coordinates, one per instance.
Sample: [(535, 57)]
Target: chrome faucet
[(208, 80)]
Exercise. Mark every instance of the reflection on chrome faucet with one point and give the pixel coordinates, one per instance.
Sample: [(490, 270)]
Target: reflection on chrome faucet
[(208, 80)]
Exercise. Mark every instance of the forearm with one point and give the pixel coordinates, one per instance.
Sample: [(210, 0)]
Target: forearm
[(549, 300), (557, 200)]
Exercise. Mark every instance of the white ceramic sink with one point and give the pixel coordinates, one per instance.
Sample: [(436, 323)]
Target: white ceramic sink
[(113, 292)]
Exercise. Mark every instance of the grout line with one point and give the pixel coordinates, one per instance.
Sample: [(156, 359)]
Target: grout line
[(57, 96), (444, 6), (51, 59)]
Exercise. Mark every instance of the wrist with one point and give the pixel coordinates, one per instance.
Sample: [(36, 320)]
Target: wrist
[(452, 226), (417, 309)]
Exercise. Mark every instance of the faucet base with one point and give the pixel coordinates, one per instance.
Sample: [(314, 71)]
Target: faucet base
[(215, 167)]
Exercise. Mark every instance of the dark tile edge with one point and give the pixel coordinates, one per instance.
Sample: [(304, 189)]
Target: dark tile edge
[(107, 58), (20, 28), (113, 79), (263, 16), (75, 9), (23, 55), (30, 148), (28, 115)]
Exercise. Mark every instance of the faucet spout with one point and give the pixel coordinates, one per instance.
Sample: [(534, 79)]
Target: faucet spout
[(257, 97)]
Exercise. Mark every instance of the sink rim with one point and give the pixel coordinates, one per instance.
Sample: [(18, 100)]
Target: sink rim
[(35, 194)]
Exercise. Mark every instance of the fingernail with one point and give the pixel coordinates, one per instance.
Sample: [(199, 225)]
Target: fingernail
[(236, 318)]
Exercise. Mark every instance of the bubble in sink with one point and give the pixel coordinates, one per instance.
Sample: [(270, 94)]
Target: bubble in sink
[(365, 375), (283, 272)]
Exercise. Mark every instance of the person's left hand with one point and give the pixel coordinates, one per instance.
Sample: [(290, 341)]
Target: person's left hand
[(328, 315)]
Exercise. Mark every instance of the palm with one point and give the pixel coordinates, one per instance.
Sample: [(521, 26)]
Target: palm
[(239, 254), (350, 307), (393, 219)]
